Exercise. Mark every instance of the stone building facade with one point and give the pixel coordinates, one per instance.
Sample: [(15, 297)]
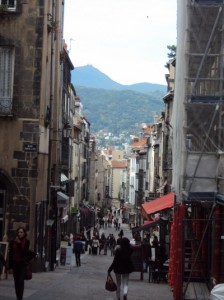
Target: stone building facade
[(30, 117)]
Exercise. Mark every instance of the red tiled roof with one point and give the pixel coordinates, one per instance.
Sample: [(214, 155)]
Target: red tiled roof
[(139, 143), (119, 163)]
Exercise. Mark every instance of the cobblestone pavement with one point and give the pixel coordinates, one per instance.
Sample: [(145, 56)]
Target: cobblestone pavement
[(85, 282)]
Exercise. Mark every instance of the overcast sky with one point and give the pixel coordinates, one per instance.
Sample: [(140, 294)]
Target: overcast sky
[(125, 39)]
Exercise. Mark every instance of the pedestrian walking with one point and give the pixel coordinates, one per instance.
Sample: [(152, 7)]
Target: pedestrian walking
[(78, 249), (84, 240), (19, 257), (95, 245), (122, 266), (102, 243), (75, 237), (2, 261), (88, 233), (119, 239), (121, 234), (112, 244)]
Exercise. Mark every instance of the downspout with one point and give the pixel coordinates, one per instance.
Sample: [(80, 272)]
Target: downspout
[(51, 256)]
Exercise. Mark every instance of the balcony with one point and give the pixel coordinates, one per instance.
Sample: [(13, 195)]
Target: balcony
[(5, 107)]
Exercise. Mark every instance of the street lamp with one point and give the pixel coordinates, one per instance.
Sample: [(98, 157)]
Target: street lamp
[(67, 130)]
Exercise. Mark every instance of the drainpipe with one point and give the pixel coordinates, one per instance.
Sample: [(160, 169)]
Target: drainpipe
[(51, 243), (79, 180)]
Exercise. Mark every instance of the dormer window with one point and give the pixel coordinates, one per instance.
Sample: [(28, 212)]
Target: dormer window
[(8, 5)]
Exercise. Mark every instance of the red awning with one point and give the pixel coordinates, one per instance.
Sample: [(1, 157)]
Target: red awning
[(151, 221), (149, 224), (157, 205)]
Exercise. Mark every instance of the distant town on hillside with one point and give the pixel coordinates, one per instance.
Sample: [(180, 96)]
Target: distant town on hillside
[(116, 112)]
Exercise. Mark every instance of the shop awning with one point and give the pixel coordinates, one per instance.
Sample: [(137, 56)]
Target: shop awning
[(64, 219), (149, 224), (152, 224), (157, 205), (64, 178), (62, 200)]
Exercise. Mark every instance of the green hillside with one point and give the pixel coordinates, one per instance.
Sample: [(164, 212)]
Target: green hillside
[(119, 111)]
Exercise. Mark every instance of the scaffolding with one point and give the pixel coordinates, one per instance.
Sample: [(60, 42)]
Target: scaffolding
[(198, 176)]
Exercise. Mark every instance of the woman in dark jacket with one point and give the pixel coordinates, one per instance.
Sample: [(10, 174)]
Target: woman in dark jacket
[(122, 266), (19, 255)]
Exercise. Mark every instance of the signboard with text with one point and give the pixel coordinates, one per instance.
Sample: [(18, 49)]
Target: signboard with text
[(30, 147), (66, 255)]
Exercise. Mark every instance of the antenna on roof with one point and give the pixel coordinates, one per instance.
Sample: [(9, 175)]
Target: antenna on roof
[(70, 45)]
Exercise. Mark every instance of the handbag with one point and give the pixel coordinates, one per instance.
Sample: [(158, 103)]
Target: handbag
[(110, 285), (28, 272)]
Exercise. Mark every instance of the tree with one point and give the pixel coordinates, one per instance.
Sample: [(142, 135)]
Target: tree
[(172, 51)]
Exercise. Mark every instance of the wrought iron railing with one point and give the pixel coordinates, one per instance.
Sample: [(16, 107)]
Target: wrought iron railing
[(5, 106)]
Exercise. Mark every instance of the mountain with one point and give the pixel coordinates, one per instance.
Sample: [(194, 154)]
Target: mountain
[(113, 107), (119, 111), (89, 76)]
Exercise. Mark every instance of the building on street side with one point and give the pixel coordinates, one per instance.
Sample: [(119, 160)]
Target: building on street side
[(197, 123)]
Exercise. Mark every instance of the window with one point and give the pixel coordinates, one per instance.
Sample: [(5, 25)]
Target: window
[(6, 79), (10, 4)]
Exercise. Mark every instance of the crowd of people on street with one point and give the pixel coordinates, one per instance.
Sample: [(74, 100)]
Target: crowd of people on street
[(96, 244), (94, 241)]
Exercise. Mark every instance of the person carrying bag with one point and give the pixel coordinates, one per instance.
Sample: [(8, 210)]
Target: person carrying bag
[(19, 259), (110, 285), (122, 266)]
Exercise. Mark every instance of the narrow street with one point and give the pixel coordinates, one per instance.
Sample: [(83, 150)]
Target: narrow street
[(85, 282)]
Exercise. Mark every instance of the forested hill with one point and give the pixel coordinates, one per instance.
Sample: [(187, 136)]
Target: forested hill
[(119, 111), (115, 107)]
